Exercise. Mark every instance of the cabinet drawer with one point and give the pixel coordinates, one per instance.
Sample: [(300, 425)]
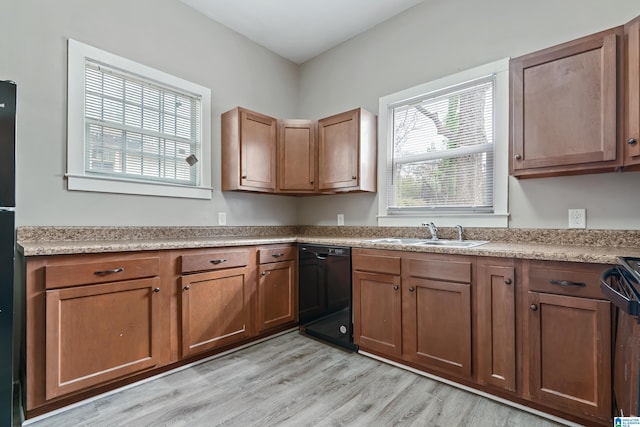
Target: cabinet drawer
[(61, 276), (564, 278), (215, 260), (375, 262), (451, 271), (275, 254)]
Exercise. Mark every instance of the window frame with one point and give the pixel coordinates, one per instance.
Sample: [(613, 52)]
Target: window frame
[(499, 216), (77, 177)]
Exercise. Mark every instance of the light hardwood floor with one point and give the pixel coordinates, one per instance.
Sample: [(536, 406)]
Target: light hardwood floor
[(293, 380)]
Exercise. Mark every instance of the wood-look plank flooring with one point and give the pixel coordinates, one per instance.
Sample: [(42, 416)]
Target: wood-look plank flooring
[(292, 380)]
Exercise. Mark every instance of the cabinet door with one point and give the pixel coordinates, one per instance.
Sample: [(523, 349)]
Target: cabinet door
[(437, 324), (632, 114), (570, 353), (496, 325), (276, 294), (564, 107), (215, 309), (257, 150), (338, 144), (377, 306), (296, 156), (98, 333)]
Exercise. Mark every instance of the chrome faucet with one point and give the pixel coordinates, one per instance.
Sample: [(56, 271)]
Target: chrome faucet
[(434, 230), (459, 228)]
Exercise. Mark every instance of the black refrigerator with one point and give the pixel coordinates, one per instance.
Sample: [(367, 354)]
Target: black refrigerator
[(7, 246)]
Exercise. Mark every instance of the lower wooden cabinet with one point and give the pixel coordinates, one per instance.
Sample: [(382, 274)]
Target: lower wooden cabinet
[(216, 309), (277, 294), (98, 333), (570, 353), (377, 310), (436, 312), (496, 323)]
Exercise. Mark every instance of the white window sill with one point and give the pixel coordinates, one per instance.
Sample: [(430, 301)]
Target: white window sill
[(446, 220), (124, 186)]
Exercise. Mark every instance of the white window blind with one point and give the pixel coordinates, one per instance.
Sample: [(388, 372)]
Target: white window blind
[(135, 128), (443, 150)]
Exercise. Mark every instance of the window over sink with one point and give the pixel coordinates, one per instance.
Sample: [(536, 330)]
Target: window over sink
[(136, 130), (446, 150)]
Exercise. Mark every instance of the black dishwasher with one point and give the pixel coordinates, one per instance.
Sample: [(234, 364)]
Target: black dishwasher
[(324, 294)]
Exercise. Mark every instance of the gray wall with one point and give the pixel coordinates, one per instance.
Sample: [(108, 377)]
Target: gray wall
[(164, 34), (442, 37)]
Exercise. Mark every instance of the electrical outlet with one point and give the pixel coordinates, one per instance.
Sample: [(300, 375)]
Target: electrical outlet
[(222, 218), (340, 219), (577, 218)]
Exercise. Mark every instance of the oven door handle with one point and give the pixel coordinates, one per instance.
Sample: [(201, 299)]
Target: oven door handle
[(611, 277)]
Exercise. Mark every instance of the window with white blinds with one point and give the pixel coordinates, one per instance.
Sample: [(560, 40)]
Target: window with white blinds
[(446, 156), (134, 129), (443, 150)]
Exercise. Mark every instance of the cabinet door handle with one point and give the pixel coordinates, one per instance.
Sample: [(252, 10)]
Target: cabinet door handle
[(186, 288), (311, 182), (566, 283), (395, 287), (518, 157), (631, 141), (354, 177), (533, 307), (156, 290), (244, 176), (507, 281), (277, 255), (218, 261), (106, 272), (412, 289), (264, 273)]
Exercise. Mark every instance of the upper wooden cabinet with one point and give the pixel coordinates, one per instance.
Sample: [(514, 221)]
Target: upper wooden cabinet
[(631, 138), (566, 107), (248, 151), (297, 156), (347, 152)]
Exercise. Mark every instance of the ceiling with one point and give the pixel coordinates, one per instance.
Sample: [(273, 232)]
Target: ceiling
[(300, 29)]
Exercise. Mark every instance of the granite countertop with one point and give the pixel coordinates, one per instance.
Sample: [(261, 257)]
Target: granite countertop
[(563, 245)]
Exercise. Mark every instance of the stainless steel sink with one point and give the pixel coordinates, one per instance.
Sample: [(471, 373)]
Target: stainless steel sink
[(429, 242)]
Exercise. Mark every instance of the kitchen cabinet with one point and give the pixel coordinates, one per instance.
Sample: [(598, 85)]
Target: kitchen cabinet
[(567, 338), (436, 312), (216, 297), (631, 138), (496, 323), (297, 156), (377, 303), (347, 152), (248, 151), (566, 107), (277, 286), (80, 305)]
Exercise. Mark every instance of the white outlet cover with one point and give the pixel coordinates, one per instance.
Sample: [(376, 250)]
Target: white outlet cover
[(222, 218), (577, 218), (340, 219)]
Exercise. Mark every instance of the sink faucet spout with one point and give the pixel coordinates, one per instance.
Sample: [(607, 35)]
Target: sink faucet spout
[(434, 230)]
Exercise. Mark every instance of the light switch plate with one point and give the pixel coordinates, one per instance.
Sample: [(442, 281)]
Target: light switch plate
[(222, 218), (577, 218), (340, 219)]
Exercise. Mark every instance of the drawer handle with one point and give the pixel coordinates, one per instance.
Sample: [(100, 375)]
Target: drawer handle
[(277, 255), (566, 283), (218, 261), (106, 272)]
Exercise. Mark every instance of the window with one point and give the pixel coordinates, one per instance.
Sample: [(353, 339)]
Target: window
[(446, 150), (135, 130)]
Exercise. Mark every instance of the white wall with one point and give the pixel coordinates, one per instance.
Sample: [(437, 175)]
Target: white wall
[(442, 37), (164, 34)]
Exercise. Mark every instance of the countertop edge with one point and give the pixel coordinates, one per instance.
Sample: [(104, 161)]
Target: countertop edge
[(535, 251)]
